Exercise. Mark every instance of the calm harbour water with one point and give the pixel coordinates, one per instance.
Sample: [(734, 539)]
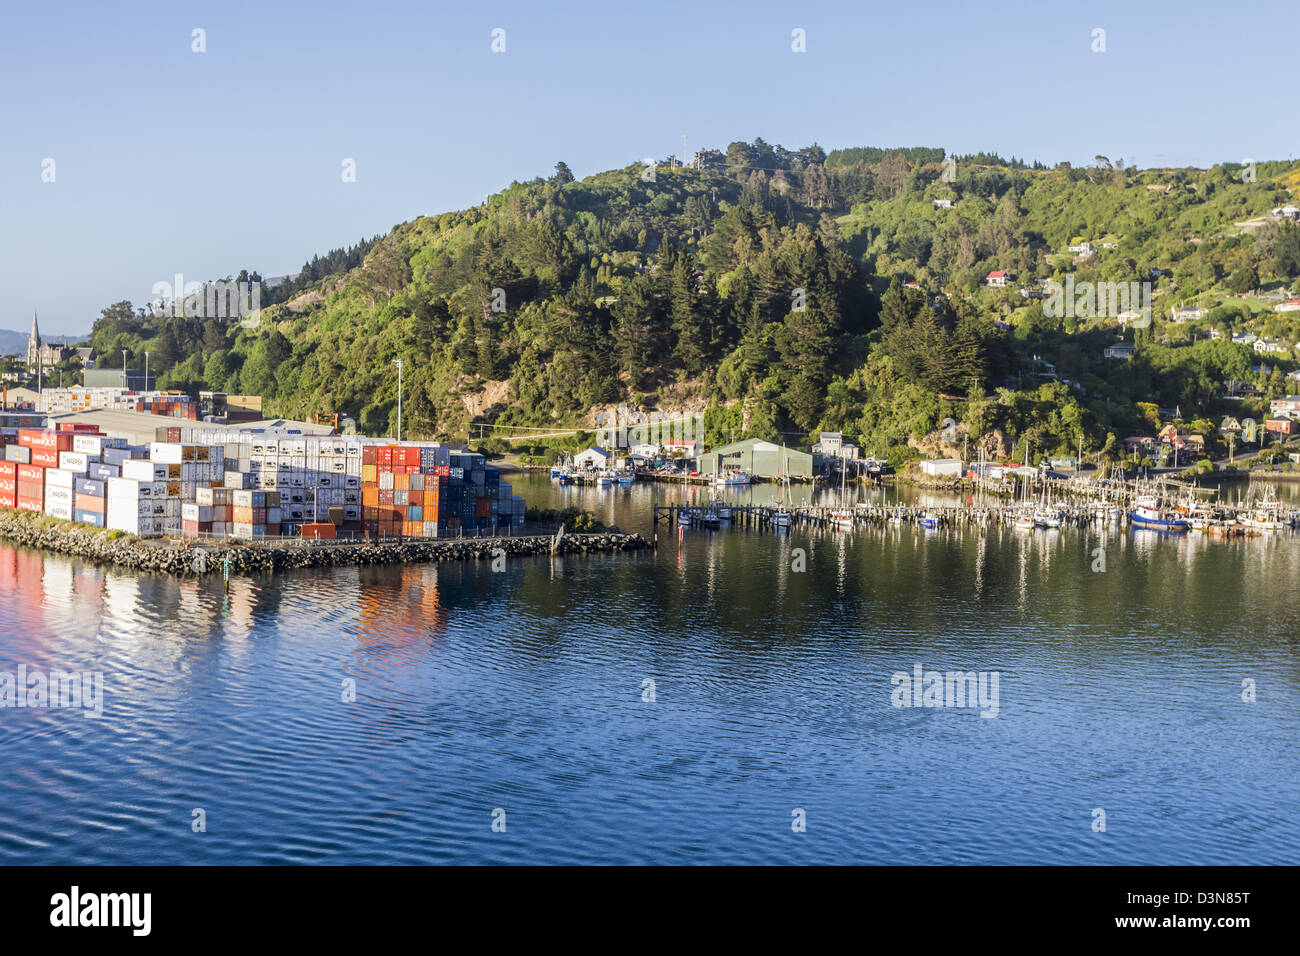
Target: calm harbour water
[(523, 691)]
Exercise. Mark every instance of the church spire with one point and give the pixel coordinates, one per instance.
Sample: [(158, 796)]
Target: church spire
[(34, 343)]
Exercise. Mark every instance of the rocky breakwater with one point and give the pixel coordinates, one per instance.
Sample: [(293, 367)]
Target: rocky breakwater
[(195, 558)]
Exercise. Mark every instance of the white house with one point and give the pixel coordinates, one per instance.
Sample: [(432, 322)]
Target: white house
[(593, 458), (1244, 338), (1120, 350), (943, 204), (1084, 249), (1292, 306), (1186, 313), (942, 467), (644, 450), (997, 278), (1269, 345)]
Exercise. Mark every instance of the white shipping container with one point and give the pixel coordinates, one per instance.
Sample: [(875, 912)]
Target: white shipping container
[(59, 478), (143, 470), (74, 461), (88, 444), (166, 452)]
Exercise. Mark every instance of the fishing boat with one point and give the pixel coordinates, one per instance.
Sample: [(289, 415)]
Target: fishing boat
[(1047, 518), (627, 479), (1202, 518), (556, 471), (565, 478), (732, 478), (723, 510), (1261, 520), (1024, 520), (684, 517), (605, 478), (929, 519), (781, 519), (1148, 513), (842, 520)]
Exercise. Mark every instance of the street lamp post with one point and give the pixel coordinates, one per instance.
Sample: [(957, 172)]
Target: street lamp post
[(146, 371), (124, 384), (398, 363)]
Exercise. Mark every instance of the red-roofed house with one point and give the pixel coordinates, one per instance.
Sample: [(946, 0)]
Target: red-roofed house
[(997, 278)]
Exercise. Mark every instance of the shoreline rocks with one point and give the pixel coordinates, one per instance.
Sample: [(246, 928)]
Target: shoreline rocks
[(199, 558)]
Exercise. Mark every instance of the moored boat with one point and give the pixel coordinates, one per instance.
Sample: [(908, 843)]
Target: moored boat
[(1147, 512)]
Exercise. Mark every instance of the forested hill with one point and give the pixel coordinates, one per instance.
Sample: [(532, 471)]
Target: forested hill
[(768, 284)]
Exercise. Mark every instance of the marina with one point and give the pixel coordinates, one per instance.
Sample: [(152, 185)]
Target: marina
[(1153, 506)]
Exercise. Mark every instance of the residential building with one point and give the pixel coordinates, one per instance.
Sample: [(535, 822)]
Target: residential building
[(997, 279), (1187, 313), (1120, 350)]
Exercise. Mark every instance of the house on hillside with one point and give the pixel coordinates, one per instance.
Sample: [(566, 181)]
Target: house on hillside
[(997, 279), (1292, 305), (1186, 313), (1244, 338), (1120, 350), (1285, 406), (1084, 249), (1266, 345), (943, 204)]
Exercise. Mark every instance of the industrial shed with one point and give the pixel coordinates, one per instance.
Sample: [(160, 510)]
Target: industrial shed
[(757, 458)]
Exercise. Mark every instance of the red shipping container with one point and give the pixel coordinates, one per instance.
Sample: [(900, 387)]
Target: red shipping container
[(50, 441), (30, 504), (8, 486), (369, 454), (8, 469), (45, 457), (7, 500), (34, 474), (482, 508)]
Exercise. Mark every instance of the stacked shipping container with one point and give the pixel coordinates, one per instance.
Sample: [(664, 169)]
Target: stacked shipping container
[(254, 486)]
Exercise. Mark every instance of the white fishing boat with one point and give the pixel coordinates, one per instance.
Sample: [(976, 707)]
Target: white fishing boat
[(627, 479), (842, 520), (685, 517), (1047, 518), (1262, 520), (732, 478), (606, 478), (781, 519)]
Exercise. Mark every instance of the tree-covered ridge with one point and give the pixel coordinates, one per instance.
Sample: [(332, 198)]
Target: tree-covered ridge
[(768, 280)]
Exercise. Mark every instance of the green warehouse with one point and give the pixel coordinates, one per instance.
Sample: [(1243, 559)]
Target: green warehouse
[(757, 458)]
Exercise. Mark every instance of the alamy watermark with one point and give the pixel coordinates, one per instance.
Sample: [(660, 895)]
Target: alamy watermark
[(63, 689), (621, 429), (960, 689), (1091, 300), (224, 299)]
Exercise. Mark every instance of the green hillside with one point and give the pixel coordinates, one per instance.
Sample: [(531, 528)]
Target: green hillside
[(768, 286)]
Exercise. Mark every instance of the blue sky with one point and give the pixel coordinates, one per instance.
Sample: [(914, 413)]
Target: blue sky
[(169, 161)]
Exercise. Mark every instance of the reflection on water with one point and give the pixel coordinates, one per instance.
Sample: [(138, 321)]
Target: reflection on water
[(771, 656)]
